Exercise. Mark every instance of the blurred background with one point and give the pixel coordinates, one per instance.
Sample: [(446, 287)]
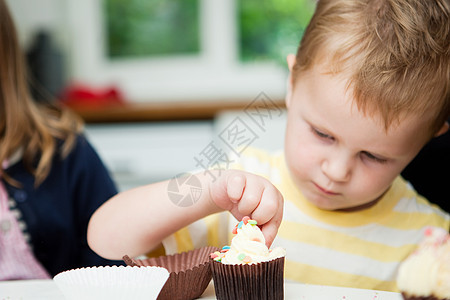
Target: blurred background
[(167, 50), (158, 82)]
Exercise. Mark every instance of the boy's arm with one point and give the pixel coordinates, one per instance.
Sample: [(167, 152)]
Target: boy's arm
[(136, 221)]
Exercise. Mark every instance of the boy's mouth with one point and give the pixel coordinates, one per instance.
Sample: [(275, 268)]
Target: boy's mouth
[(325, 191)]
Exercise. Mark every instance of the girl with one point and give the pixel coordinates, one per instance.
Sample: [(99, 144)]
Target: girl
[(51, 179)]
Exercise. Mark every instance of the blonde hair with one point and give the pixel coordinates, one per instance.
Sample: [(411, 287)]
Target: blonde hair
[(24, 124), (396, 54)]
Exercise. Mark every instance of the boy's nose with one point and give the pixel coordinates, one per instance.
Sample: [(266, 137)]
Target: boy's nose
[(337, 169)]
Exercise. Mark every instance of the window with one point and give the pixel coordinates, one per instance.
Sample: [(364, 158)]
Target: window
[(187, 50), (271, 29), (152, 27)]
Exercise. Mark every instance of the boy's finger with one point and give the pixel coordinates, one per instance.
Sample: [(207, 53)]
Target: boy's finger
[(268, 206), (235, 187), (251, 196), (270, 229)]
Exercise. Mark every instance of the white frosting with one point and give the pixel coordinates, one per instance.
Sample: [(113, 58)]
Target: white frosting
[(426, 272), (249, 241)]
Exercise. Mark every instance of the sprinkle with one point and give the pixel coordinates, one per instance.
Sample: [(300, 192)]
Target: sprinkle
[(256, 240), (252, 222), (241, 256), (428, 231), (247, 259), (226, 247), (245, 219), (240, 225), (219, 256), (214, 255), (234, 230)]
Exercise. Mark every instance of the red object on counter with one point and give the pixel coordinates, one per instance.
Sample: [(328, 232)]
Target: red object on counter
[(84, 96)]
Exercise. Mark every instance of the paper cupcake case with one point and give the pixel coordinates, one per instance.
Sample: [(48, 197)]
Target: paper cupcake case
[(112, 282), (249, 281), (409, 297), (190, 272)]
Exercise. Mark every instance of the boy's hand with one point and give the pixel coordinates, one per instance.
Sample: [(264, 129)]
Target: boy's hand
[(246, 194)]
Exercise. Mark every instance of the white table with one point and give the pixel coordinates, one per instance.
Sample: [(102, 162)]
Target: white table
[(47, 290)]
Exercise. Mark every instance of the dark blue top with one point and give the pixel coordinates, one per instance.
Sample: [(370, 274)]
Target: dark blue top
[(57, 212)]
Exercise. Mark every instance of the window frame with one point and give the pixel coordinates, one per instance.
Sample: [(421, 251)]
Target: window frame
[(216, 74)]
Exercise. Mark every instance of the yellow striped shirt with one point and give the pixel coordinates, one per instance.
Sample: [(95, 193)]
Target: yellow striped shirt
[(360, 249)]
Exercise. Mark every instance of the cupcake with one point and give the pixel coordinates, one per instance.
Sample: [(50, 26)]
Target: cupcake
[(425, 274), (247, 269), (190, 272)]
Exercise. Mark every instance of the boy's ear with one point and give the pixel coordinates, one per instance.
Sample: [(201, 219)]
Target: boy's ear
[(443, 129), (290, 61), (290, 83)]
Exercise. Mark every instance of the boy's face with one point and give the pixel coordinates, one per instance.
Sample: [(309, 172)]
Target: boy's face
[(338, 157)]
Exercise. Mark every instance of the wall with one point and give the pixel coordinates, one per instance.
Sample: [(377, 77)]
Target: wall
[(215, 74), (33, 15), (142, 153)]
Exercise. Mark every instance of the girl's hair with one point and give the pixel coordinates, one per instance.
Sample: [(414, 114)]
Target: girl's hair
[(25, 125), (395, 53)]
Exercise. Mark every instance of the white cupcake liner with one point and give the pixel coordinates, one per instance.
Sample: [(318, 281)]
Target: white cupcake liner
[(112, 282)]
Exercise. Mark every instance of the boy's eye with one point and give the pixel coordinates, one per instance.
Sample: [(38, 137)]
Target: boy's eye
[(321, 134), (374, 158)]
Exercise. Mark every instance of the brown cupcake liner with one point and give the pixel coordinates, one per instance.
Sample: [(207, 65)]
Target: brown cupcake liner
[(253, 281), (410, 297), (190, 272)]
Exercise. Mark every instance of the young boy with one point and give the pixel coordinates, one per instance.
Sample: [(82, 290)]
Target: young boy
[(368, 88)]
